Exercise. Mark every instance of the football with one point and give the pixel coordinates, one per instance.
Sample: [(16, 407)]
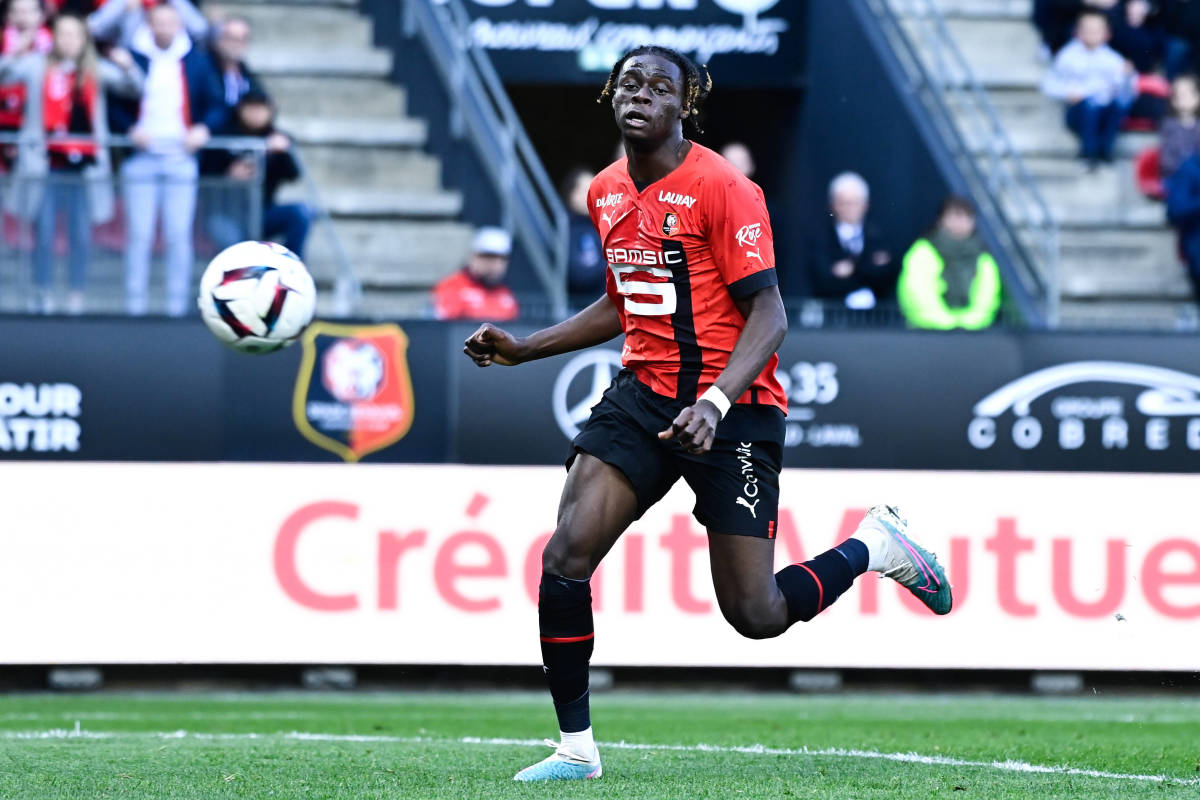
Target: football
[(257, 297)]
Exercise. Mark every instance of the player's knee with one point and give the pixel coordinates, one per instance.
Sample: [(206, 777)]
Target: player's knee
[(560, 558), (752, 623)]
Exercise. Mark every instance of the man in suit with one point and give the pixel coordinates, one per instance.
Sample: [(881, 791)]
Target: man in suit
[(847, 260), (228, 54)]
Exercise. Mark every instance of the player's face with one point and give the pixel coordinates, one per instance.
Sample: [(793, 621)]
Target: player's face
[(648, 99)]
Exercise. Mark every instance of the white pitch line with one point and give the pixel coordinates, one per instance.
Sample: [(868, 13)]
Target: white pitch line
[(1009, 765)]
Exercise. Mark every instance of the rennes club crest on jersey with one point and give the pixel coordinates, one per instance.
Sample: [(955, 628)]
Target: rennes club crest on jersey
[(354, 393), (670, 224)]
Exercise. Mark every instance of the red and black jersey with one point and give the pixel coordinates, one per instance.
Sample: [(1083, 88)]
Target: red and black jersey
[(679, 253)]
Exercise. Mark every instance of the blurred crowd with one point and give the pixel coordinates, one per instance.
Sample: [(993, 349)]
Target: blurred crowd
[(1131, 65), (171, 86)]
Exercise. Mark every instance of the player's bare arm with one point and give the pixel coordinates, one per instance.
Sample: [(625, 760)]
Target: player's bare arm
[(766, 325), (596, 324)]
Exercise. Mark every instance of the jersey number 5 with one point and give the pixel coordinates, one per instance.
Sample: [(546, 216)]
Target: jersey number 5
[(665, 290)]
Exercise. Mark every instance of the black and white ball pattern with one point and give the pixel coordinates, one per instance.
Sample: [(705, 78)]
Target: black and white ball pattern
[(257, 297)]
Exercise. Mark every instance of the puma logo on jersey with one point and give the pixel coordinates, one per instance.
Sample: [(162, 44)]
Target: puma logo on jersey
[(749, 234), (741, 501), (674, 199), (611, 200), (607, 217), (753, 254)]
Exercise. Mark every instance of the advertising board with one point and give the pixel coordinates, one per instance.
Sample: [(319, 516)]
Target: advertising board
[(756, 43), (274, 563), (901, 400)]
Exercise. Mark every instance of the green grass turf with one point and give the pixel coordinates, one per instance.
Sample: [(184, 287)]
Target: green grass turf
[(1158, 736)]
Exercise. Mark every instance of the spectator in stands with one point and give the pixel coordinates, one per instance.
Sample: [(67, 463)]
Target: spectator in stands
[(1180, 131), (119, 21), (230, 43), (286, 223), (1183, 212), (183, 104), (1138, 36), (25, 28), (948, 279), (477, 291), (64, 91), (847, 259), (1181, 20), (24, 31), (1095, 83), (739, 155), (586, 267), (1056, 19)]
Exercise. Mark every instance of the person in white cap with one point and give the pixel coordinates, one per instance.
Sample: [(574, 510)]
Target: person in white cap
[(477, 291)]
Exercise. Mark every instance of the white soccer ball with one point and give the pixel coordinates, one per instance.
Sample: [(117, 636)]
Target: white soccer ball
[(257, 297)]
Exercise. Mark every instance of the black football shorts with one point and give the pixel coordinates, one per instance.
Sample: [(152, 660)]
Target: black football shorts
[(736, 482)]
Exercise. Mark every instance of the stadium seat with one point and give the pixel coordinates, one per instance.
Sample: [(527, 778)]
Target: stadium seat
[(1149, 178), (1154, 85)]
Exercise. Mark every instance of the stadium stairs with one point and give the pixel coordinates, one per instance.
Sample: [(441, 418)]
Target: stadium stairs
[(1118, 258), (398, 226)]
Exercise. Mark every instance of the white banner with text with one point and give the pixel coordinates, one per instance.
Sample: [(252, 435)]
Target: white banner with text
[(290, 563)]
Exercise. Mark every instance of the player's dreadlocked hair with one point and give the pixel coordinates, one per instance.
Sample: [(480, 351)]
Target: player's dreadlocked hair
[(697, 83)]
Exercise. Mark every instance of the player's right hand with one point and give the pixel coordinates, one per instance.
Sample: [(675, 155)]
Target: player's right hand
[(491, 345)]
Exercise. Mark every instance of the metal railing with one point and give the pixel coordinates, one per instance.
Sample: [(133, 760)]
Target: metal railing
[(966, 121), (227, 210), (347, 287), (481, 112)]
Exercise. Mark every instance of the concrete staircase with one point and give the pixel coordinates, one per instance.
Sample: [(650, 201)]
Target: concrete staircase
[(399, 227), (1119, 266)]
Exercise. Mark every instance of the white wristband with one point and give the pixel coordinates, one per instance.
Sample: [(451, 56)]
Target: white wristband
[(718, 399)]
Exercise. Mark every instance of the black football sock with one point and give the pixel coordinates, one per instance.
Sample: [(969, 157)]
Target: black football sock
[(811, 587), (565, 618), (856, 553)]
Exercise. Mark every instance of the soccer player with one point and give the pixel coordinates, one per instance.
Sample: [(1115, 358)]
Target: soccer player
[(692, 285)]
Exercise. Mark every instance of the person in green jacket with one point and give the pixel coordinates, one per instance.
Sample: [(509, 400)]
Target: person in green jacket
[(948, 279)]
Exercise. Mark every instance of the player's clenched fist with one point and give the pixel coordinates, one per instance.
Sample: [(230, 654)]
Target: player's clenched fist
[(695, 427), (491, 345)]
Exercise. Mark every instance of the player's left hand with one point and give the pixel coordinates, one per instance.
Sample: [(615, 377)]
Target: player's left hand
[(694, 428)]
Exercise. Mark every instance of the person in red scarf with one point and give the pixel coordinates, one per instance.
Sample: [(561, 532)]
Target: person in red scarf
[(63, 162), (24, 28)]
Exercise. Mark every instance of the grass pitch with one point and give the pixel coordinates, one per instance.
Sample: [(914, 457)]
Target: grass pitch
[(468, 745)]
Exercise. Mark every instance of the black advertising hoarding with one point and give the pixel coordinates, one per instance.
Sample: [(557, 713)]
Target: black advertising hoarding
[(105, 390), (166, 390), (753, 43), (901, 400), (345, 392)]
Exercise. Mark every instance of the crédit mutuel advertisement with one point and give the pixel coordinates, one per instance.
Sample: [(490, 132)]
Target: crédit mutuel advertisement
[(305, 563)]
